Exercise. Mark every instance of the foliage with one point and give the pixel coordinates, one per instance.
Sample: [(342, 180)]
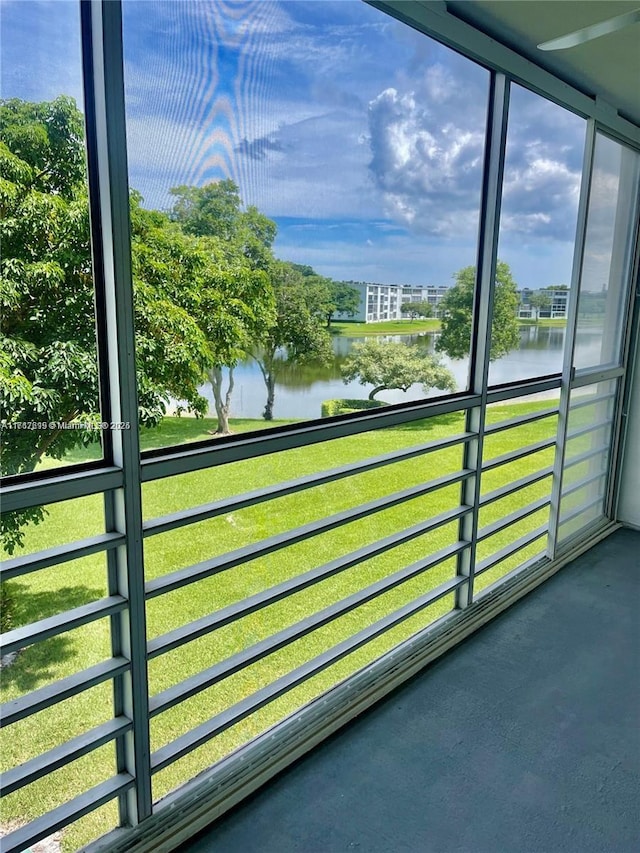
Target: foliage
[(235, 303), (345, 300), (539, 301), (215, 211), (390, 365), (327, 297), (343, 406), (48, 361), (297, 334), (457, 312), (416, 309)]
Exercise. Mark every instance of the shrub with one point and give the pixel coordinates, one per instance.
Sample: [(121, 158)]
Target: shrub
[(341, 406)]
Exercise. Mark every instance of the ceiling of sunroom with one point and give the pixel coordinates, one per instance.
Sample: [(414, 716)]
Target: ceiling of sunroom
[(608, 66)]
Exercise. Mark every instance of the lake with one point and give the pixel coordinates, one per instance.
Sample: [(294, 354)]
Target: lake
[(300, 389)]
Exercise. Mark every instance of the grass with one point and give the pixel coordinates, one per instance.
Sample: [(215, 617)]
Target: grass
[(388, 327), (544, 321), (172, 431), (413, 327), (50, 591)]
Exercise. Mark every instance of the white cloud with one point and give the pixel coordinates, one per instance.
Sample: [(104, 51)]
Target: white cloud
[(540, 193), (426, 163)]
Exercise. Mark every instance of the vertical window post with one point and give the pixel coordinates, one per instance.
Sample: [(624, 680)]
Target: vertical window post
[(569, 344), (495, 144), (109, 191)]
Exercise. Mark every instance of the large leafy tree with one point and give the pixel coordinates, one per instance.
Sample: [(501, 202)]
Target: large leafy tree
[(540, 300), (48, 366), (388, 365), (345, 300), (297, 335), (457, 312), (416, 309), (235, 311), (215, 210), (327, 297), (238, 243)]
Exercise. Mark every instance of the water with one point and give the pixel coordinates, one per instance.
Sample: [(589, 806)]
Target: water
[(301, 389)]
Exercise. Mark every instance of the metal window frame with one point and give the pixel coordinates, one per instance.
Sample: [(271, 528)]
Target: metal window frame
[(480, 344), (568, 371), (108, 178)]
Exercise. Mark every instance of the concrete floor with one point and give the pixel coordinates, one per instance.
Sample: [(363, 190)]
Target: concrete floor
[(524, 739)]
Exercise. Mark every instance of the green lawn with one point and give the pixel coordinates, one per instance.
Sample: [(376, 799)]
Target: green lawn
[(543, 322), (50, 591), (388, 327), (412, 327)]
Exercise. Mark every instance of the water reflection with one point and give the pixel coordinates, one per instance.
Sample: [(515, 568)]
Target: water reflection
[(300, 389)]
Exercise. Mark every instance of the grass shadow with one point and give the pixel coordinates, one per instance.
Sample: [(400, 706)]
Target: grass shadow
[(34, 664), (31, 606), (451, 419)]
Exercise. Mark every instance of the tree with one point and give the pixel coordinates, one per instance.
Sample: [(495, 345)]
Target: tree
[(389, 365), (328, 297), (215, 210), (416, 309), (238, 305), (237, 308), (457, 312), (539, 300), (48, 362), (297, 334), (345, 300)]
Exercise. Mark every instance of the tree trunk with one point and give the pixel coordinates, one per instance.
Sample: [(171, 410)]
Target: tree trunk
[(45, 443), (221, 399), (270, 381), (266, 363), (376, 390)]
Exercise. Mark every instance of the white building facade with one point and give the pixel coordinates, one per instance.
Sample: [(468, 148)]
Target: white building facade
[(383, 302), (555, 310)]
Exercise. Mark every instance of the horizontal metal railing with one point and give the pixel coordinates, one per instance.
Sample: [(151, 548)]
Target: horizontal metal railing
[(517, 515), (511, 423), (511, 549), (168, 463), (207, 678), (576, 433), (64, 754), (17, 566), (51, 694), (581, 484), (63, 815), (165, 463), (578, 459), (569, 515), (591, 400), (289, 487), (63, 487), (514, 455), (522, 483), (186, 743), (218, 619), (52, 626), (207, 568)]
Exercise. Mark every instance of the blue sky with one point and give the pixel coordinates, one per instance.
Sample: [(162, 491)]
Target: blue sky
[(362, 138)]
